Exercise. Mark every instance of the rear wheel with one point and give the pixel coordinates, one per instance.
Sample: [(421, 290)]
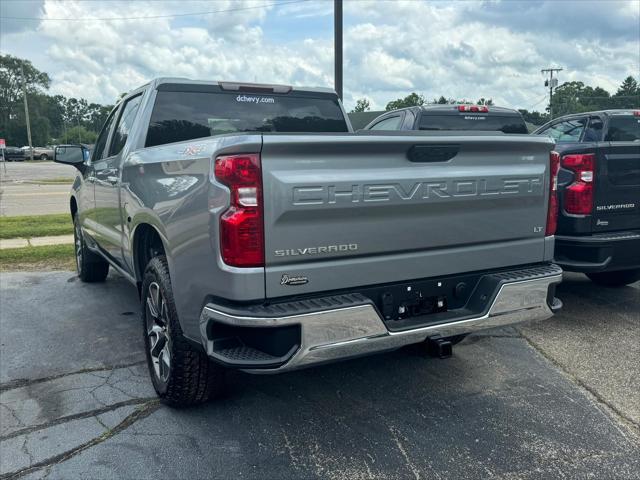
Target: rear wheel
[(181, 375), (615, 279), (91, 266), (44, 156)]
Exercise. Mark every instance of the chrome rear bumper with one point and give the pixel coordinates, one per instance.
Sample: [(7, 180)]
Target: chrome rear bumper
[(349, 332)]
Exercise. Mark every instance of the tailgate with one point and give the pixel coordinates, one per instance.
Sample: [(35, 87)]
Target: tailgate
[(344, 211), (617, 189)]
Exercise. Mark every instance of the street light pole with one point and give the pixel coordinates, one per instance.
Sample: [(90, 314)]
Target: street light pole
[(337, 45), (26, 112)]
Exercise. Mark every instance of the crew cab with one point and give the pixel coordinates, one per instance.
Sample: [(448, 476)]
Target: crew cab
[(599, 194), (264, 235), (451, 117)]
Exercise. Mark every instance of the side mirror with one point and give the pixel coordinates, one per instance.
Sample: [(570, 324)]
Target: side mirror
[(75, 155)]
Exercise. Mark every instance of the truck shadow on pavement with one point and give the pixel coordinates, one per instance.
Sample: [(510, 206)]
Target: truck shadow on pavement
[(85, 408)]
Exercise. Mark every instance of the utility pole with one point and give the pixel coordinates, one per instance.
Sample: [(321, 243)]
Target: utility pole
[(551, 83), (26, 112), (337, 45)]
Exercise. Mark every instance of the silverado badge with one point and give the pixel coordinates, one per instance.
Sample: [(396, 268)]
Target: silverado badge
[(297, 280)]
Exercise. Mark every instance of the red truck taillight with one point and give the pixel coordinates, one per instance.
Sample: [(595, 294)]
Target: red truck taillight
[(473, 108), (552, 212), (578, 197), (242, 225)]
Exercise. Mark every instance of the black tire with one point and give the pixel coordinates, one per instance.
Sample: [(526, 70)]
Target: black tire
[(91, 267), (615, 279), (181, 374), (44, 156)]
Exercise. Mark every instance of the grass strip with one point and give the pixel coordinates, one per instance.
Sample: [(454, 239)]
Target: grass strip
[(48, 257), (35, 226)]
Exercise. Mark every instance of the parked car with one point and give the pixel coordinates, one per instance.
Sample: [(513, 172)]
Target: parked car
[(39, 153), (599, 194), (452, 117), (13, 154), (263, 235)]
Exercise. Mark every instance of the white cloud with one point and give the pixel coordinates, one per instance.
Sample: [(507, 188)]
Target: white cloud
[(463, 50)]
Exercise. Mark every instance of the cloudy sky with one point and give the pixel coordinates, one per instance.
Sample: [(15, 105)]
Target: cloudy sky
[(468, 49)]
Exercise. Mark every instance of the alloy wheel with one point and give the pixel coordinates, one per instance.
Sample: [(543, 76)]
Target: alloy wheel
[(159, 341), (77, 234)]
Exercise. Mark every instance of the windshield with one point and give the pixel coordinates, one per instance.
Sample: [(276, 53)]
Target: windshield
[(179, 116)]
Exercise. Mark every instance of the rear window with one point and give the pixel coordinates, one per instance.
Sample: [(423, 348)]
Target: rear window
[(623, 128), (179, 116), (492, 123)]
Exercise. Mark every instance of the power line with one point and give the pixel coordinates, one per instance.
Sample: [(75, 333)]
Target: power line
[(538, 102), (153, 17)]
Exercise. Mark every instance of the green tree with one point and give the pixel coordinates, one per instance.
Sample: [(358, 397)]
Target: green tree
[(96, 116), (362, 105), (12, 119), (79, 134), (535, 118), (410, 100), (628, 94), (483, 101)]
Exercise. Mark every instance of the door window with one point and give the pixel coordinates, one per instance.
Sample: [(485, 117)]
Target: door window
[(391, 123), (409, 120), (99, 149), (125, 122), (593, 133), (566, 131)]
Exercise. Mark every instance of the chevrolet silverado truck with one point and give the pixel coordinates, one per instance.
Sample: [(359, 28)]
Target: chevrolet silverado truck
[(599, 194), (480, 118), (264, 235)]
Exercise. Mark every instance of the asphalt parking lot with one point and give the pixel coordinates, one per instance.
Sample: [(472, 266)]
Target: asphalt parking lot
[(559, 399), (20, 194)]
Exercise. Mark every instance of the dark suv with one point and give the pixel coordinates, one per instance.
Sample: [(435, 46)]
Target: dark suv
[(451, 117), (599, 194)]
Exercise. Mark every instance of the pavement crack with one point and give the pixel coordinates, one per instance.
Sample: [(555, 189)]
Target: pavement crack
[(12, 413), (25, 382), (26, 451), (76, 416), (143, 411), (403, 452)]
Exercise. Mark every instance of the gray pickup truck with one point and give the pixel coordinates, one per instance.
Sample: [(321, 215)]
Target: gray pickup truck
[(264, 235)]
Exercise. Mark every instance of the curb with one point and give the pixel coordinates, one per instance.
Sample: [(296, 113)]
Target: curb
[(35, 241)]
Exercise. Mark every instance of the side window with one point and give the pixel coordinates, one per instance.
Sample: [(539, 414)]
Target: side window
[(391, 123), (409, 120), (593, 132), (125, 122), (623, 128), (566, 131), (101, 143)]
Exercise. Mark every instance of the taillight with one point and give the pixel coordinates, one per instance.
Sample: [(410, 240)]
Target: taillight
[(473, 108), (242, 224), (552, 212), (636, 113), (578, 197)]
